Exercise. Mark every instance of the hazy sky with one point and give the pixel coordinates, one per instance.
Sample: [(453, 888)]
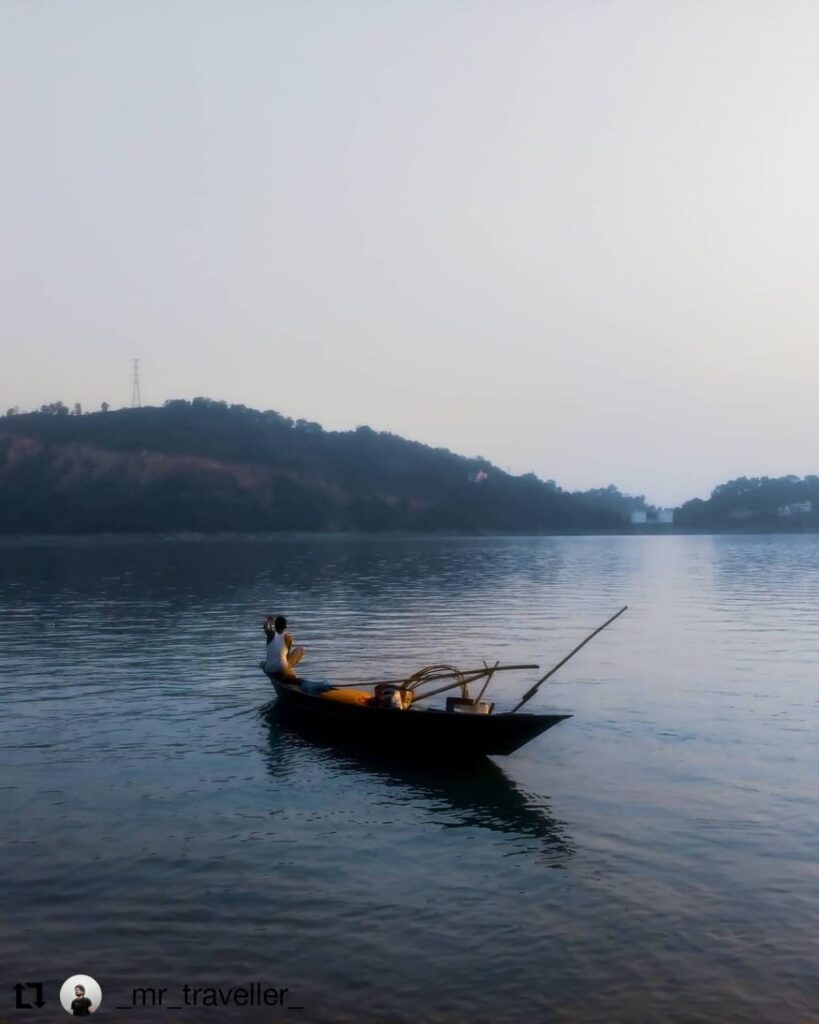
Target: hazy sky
[(578, 238)]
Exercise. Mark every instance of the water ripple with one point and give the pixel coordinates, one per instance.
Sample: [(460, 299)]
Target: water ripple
[(656, 852)]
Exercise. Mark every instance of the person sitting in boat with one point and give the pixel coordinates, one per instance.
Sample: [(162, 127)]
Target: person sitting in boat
[(282, 656)]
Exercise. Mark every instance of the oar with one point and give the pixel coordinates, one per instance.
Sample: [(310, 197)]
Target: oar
[(530, 693)]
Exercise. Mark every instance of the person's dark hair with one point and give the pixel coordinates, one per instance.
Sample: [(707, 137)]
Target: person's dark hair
[(79, 988), (279, 623)]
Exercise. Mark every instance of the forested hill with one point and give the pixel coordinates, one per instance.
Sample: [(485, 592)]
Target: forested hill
[(757, 504), (207, 466)]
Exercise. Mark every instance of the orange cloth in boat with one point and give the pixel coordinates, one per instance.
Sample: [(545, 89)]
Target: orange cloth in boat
[(347, 695)]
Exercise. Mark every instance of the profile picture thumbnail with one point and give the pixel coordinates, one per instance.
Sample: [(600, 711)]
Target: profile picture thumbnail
[(80, 995)]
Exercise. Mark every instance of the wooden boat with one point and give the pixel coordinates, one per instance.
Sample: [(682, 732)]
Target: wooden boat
[(375, 717), (385, 714)]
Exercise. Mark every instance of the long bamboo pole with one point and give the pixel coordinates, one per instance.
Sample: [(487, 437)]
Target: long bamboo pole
[(478, 699), (530, 693), (467, 677), (475, 672)]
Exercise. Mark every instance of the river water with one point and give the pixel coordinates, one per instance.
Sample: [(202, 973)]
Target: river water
[(653, 858)]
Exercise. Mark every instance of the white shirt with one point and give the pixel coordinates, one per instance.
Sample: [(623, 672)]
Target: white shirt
[(276, 660)]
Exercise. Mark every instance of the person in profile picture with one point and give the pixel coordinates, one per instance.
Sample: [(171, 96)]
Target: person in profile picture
[(81, 1004)]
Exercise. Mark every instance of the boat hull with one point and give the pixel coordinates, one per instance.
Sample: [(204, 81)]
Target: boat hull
[(430, 733)]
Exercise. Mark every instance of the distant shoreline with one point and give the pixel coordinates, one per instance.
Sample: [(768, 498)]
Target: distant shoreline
[(234, 536), (208, 469)]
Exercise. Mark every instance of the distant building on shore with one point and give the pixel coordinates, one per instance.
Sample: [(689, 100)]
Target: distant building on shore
[(642, 517), (796, 508)]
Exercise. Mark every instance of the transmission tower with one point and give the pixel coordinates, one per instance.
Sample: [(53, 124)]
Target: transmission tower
[(136, 397)]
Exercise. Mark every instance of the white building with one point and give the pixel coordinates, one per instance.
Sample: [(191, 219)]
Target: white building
[(796, 508)]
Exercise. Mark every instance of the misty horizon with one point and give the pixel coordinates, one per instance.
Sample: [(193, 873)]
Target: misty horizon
[(579, 240)]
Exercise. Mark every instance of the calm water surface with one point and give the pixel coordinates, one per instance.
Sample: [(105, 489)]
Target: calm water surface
[(654, 858)]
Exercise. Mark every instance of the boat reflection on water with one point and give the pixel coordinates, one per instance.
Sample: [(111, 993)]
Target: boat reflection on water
[(478, 795)]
